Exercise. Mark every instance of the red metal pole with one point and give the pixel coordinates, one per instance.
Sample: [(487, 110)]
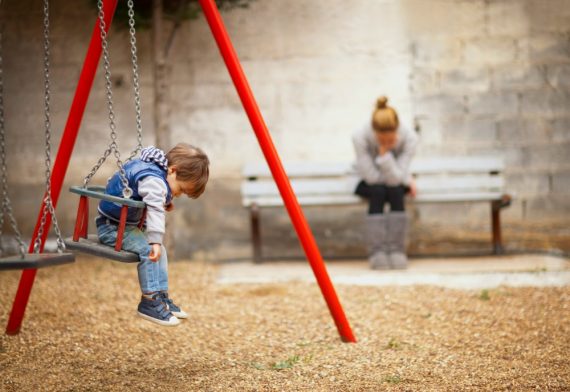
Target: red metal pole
[(296, 214), (80, 220), (62, 160), (121, 230), (85, 223)]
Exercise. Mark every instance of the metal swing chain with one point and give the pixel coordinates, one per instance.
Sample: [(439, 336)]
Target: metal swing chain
[(134, 60), (6, 204), (113, 147), (48, 203)]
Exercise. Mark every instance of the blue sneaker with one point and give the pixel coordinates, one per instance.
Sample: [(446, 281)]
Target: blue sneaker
[(156, 310), (175, 309)]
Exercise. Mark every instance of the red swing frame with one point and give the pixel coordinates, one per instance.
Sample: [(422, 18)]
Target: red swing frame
[(249, 103)]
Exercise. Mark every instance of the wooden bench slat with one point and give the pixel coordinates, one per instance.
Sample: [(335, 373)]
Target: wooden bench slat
[(479, 164), (310, 200), (313, 200), (458, 197), (424, 165), (445, 184), (301, 187), (343, 186)]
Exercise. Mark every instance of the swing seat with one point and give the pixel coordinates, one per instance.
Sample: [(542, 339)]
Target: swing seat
[(35, 261), (82, 242), (92, 246)]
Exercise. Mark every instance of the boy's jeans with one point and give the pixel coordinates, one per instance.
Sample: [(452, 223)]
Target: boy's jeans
[(153, 276)]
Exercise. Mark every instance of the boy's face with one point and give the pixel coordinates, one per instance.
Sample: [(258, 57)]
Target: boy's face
[(178, 187)]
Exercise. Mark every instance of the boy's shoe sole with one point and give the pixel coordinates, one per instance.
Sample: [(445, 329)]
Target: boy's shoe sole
[(172, 322), (181, 315)]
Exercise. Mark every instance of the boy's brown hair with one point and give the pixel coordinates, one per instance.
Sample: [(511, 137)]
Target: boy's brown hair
[(384, 118), (192, 164)]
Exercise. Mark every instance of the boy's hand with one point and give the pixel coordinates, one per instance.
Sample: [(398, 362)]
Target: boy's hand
[(154, 252)]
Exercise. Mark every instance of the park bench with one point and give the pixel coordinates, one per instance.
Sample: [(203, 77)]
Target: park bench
[(438, 179)]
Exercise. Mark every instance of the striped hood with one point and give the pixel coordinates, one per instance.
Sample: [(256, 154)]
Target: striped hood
[(156, 155)]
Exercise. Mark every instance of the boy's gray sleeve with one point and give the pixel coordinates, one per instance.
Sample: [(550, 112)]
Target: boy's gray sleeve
[(153, 192), (397, 170), (365, 165)]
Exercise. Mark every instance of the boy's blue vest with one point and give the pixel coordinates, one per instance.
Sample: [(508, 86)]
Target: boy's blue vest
[(136, 170)]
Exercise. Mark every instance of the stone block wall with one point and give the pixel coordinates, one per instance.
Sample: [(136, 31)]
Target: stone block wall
[(496, 82)]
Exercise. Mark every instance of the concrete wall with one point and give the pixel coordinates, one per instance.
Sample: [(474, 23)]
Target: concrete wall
[(495, 77), (474, 76)]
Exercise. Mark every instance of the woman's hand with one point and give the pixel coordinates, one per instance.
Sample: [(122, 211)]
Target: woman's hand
[(413, 188), (382, 149), (386, 142), (155, 250)]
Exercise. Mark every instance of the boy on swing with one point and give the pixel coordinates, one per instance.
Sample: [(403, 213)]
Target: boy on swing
[(155, 178)]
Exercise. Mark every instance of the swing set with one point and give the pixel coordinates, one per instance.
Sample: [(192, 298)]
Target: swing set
[(83, 242)]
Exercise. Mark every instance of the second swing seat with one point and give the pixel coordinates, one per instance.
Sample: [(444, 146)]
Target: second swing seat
[(35, 260)]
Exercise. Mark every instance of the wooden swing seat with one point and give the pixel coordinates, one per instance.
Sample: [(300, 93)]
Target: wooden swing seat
[(92, 246), (89, 244), (35, 260)]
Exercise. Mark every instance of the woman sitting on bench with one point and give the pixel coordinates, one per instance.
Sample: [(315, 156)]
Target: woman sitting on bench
[(384, 150)]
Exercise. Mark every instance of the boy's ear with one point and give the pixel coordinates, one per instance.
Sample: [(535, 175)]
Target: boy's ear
[(171, 169)]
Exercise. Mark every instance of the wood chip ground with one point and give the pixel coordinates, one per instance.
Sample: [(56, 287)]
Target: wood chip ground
[(81, 333)]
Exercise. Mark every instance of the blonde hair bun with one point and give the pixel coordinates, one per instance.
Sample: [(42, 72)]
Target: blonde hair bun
[(382, 102), (384, 117)]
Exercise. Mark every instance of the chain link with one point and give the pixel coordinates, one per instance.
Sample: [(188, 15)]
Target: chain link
[(136, 85), (48, 203), (6, 204), (113, 147)]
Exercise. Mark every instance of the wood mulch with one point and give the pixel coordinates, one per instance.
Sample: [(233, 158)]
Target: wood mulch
[(81, 333)]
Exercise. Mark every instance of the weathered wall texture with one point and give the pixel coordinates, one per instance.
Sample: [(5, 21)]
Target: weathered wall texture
[(474, 76), (494, 77)]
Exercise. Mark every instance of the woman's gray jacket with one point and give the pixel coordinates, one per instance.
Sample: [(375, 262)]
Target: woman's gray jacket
[(392, 168)]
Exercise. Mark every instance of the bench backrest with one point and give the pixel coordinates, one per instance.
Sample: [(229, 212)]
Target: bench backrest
[(329, 183)]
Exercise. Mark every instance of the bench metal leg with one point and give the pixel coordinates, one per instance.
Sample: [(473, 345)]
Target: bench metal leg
[(496, 221), (255, 233)]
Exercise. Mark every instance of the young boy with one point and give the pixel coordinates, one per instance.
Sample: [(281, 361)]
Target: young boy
[(154, 178)]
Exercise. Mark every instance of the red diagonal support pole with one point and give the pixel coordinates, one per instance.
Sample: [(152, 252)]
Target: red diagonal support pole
[(62, 160), (299, 222)]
